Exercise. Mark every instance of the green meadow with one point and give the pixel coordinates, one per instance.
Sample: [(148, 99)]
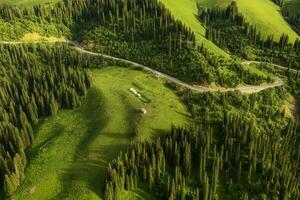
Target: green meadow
[(69, 156)]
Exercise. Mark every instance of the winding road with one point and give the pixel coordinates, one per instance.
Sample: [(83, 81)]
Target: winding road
[(261, 62), (196, 88)]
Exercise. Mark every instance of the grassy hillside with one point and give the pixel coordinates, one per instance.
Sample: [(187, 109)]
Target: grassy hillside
[(186, 11), (26, 2), (71, 151), (263, 13)]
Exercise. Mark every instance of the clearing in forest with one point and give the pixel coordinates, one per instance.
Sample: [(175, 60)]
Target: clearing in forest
[(35, 37), (71, 151)]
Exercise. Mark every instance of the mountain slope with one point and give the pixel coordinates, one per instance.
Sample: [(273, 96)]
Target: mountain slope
[(187, 11), (262, 13)]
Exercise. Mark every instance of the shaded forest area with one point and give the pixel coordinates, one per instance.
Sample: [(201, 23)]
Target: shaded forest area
[(293, 19), (234, 160)]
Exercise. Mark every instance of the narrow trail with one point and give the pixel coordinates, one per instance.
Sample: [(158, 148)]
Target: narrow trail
[(196, 88)]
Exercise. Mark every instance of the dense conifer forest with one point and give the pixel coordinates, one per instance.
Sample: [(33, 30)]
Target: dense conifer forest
[(237, 160)]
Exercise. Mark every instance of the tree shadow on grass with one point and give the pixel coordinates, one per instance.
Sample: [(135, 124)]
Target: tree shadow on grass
[(132, 116), (94, 114), (296, 109), (89, 166), (185, 115), (158, 133), (55, 132)]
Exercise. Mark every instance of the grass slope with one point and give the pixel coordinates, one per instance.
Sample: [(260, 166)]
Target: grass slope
[(187, 11), (69, 156), (136, 194), (263, 13)]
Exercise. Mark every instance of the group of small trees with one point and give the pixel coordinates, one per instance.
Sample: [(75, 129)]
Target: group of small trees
[(236, 155), (293, 19), (279, 2), (30, 89)]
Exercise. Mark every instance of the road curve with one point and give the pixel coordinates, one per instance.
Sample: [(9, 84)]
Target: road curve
[(248, 62), (196, 88)]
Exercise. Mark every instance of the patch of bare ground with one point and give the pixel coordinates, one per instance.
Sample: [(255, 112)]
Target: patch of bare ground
[(296, 110), (291, 107), (35, 37), (32, 190)]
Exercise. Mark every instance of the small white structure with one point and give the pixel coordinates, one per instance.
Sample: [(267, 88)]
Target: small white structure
[(32, 190), (135, 92), (143, 111)]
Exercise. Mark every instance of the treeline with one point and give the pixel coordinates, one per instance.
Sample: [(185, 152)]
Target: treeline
[(238, 158), (293, 83), (226, 26), (293, 19), (31, 88), (279, 2)]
